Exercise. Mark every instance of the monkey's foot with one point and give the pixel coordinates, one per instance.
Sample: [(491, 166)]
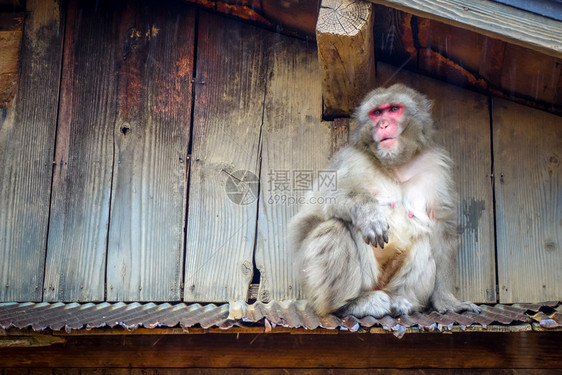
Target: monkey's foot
[(375, 303), (450, 303), (401, 306), (463, 306)]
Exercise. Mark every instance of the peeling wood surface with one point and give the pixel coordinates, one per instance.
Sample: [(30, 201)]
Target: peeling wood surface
[(528, 175), (27, 141)]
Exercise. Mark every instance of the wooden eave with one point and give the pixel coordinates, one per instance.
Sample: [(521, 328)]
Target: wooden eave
[(490, 18)]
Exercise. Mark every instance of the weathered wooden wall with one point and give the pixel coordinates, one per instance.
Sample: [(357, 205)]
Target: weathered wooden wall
[(163, 110), (527, 151), (227, 122), (123, 131), (27, 140)]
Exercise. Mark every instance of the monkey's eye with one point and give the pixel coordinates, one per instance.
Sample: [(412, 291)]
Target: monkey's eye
[(377, 112), (394, 108)]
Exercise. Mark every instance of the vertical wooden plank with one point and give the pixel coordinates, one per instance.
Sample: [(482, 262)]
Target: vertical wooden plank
[(296, 146), (228, 110), (27, 138), (11, 32), (462, 124), (76, 252), (145, 250), (527, 153)]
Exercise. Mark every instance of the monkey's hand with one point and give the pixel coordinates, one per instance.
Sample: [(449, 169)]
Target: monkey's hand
[(368, 220)]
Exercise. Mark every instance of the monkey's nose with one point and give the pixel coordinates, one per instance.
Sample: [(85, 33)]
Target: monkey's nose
[(383, 124)]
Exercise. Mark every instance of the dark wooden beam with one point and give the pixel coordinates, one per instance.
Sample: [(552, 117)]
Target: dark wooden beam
[(523, 350), (499, 21)]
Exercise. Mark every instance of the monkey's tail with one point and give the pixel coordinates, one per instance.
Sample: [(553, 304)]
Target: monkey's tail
[(330, 267)]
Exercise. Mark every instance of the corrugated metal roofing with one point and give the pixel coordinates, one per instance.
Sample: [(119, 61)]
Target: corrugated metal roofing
[(290, 314)]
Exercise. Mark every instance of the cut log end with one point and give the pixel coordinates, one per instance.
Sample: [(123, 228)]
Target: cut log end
[(346, 18)]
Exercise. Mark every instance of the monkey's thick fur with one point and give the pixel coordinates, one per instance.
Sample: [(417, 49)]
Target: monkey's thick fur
[(385, 242)]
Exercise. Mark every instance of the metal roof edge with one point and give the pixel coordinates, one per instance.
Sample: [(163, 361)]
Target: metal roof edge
[(295, 317)]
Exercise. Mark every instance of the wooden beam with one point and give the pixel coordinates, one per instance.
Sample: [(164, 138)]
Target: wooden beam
[(11, 31), (523, 350), (344, 34), (499, 21)]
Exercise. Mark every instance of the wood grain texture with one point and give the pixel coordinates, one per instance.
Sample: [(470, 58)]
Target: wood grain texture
[(394, 39), (280, 371), (527, 153), (76, 252), (531, 73), (227, 120), (462, 126), (151, 133), (296, 146), (499, 21), (11, 31), (524, 350), (27, 139), (346, 53), (340, 132)]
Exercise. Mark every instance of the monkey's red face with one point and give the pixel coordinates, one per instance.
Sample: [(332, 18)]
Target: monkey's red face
[(386, 120)]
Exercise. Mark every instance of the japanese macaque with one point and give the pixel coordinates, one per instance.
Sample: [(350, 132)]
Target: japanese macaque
[(384, 241)]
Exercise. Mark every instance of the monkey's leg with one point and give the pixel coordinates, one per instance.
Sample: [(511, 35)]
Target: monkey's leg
[(413, 284), (331, 266), (445, 250)]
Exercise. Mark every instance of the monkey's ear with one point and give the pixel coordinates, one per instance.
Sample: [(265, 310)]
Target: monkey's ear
[(424, 103)]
